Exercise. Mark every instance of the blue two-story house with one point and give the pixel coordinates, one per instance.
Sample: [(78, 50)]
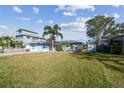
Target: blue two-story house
[(31, 41)]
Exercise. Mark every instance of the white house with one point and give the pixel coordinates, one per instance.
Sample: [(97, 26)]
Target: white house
[(31, 41)]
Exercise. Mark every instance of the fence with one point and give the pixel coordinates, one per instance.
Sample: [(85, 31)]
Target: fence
[(13, 50)]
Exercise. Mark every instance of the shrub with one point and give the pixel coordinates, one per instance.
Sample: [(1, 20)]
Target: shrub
[(59, 47), (115, 46)]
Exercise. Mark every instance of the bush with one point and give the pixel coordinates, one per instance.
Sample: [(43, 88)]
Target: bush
[(59, 47), (103, 48), (116, 46)]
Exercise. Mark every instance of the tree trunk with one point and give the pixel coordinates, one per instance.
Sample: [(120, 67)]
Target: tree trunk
[(52, 42), (8, 44), (52, 45), (98, 40)]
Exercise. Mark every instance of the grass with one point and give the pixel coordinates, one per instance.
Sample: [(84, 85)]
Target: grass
[(62, 70)]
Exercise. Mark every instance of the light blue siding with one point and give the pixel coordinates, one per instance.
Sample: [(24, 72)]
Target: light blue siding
[(43, 48)]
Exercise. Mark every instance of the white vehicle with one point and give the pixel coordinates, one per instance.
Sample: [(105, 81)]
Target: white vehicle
[(92, 48)]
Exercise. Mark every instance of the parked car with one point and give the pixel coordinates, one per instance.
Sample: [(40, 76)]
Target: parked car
[(92, 48)]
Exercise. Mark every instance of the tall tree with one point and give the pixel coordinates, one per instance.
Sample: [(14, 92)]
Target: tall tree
[(53, 33), (8, 39), (119, 29), (2, 43), (99, 26)]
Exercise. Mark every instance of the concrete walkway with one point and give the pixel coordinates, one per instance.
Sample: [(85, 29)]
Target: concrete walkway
[(16, 53)]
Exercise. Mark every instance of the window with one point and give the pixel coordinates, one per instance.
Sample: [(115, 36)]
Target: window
[(17, 37), (20, 37), (33, 38), (36, 38), (20, 31), (28, 37)]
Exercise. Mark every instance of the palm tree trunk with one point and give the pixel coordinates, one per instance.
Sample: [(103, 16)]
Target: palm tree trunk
[(52, 45)]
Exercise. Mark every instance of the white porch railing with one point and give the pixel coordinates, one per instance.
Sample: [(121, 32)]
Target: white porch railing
[(14, 50)]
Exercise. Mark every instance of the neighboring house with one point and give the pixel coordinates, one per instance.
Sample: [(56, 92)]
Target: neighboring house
[(73, 47), (31, 41), (116, 44), (105, 39)]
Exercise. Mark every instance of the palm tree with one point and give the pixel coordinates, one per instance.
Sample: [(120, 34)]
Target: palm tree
[(53, 33)]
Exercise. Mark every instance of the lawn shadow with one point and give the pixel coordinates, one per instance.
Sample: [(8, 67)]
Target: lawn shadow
[(113, 67), (109, 58), (81, 56), (119, 63), (104, 59)]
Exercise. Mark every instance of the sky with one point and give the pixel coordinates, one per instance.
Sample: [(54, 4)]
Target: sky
[(70, 18)]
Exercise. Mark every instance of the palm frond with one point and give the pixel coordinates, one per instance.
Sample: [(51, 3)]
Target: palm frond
[(47, 28), (56, 26), (56, 29), (60, 34), (45, 33)]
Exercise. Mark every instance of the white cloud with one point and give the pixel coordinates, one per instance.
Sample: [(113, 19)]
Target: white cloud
[(5, 30), (68, 14), (78, 25), (35, 10), (82, 19), (39, 21), (60, 7), (17, 9), (3, 26), (115, 15), (72, 9), (24, 18), (73, 26), (51, 21), (106, 15), (116, 6), (75, 30)]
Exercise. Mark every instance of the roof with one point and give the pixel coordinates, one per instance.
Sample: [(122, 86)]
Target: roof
[(118, 37), (71, 41), (20, 29), (111, 37), (29, 35), (39, 43)]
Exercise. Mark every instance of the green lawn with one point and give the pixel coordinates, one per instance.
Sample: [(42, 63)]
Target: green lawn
[(62, 70)]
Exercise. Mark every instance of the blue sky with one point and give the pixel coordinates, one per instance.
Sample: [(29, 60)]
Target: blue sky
[(70, 18)]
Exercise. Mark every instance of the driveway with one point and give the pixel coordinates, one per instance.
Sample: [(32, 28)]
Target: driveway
[(16, 53)]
